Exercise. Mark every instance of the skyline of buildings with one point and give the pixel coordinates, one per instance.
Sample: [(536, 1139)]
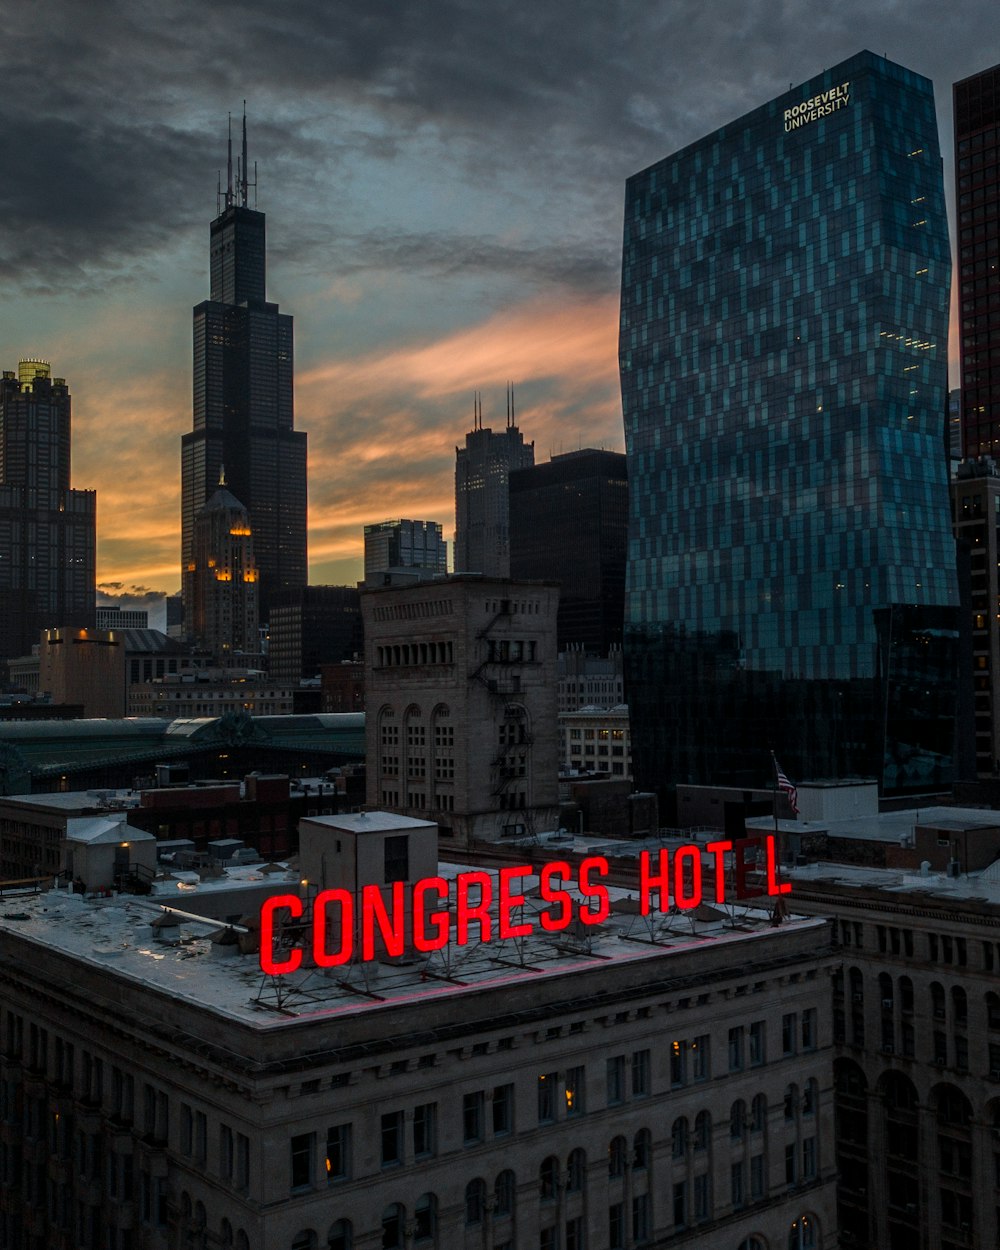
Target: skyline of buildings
[(791, 583)]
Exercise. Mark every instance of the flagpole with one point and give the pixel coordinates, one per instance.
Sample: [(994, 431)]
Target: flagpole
[(778, 911)]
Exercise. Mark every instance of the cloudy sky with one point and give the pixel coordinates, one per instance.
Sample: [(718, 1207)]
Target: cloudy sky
[(443, 184)]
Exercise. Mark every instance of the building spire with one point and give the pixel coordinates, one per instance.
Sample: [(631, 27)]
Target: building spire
[(222, 475), (229, 165), (243, 172)]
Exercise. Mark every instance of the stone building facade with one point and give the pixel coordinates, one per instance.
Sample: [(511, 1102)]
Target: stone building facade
[(156, 1091), (460, 682)]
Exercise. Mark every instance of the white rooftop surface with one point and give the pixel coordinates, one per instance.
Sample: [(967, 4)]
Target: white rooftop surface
[(104, 829), (887, 826), (114, 934), (981, 886)]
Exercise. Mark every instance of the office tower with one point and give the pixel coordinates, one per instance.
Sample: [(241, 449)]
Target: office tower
[(396, 546), (791, 582), (243, 418), (310, 627), (977, 196), (85, 668), (482, 506), (223, 578), (47, 529), (569, 524), (460, 689)]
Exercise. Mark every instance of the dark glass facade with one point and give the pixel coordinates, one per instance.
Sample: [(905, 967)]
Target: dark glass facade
[(977, 155), (313, 626), (569, 524), (48, 531), (243, 409), (791, 580)]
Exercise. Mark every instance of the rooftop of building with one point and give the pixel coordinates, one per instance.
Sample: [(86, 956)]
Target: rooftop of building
[(969, 891), (201, 964), (887, 826)]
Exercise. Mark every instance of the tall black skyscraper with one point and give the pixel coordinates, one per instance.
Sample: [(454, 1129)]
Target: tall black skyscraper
[(569, 524), (243, 409), (47, 530)]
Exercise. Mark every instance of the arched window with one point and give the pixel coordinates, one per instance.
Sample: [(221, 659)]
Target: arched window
[(791, 1101), (810, 1097), (616, 1157), (548, 1178), (885, 992), (993, 1011), (906, 996), (340, 1236), (737, 1120), (857, 984), (937, 1000), (803, 1233), (504, 1193), (392, 1227), (679, 1137), (959, 1006), (758, 1114), (642, 1148), (305, 1240), (702, 1130), (242, 1240), (475, 1201), (576, 1171), (425, 1218), (752, 1243), (226, 1235)]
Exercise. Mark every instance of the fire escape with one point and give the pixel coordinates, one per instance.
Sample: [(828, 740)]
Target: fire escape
[(499, 674)]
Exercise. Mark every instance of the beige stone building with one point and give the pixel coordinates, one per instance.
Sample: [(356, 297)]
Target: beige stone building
[(460, 680), (593, 1089)]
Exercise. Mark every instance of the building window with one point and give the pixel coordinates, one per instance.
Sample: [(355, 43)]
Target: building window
[(338, 1152), (616, 1157), (392, 1138), (677, 1064), (736, 1049), (425, 1129), (575, 1091), (736, 1184), (788, 1023), (303, 1150), (809, 1029), (616, 1080), (547, 1083), (504, 1194), (641, 1219), (616, 1226), (548, 1178), (472, 1116), (700, 1057), (503, 1109), (640, 1073), (757, 1048), (475, 1201)]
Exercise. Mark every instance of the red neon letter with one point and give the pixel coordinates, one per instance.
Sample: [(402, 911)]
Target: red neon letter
[(268, 963), (467, 912), (688, 852), (740, 846), (559, 869), (391, 928), (650, 881), (774, 886), (345, 948), (599, 865), (506, 926), (719, 849), (438, 919)]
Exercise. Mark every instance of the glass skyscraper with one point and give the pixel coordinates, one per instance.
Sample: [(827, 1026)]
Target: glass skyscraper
[(784, 326), (243, 404)]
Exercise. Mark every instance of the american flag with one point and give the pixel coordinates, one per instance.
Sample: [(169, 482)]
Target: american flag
[(786, 787)]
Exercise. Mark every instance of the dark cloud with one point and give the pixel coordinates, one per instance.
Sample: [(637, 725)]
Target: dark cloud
[(113, 117)]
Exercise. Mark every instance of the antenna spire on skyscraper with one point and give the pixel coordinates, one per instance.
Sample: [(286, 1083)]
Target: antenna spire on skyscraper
[(243, 180), (229, 165)]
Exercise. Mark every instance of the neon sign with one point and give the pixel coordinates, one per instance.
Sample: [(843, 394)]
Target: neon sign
[(345, 925)]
